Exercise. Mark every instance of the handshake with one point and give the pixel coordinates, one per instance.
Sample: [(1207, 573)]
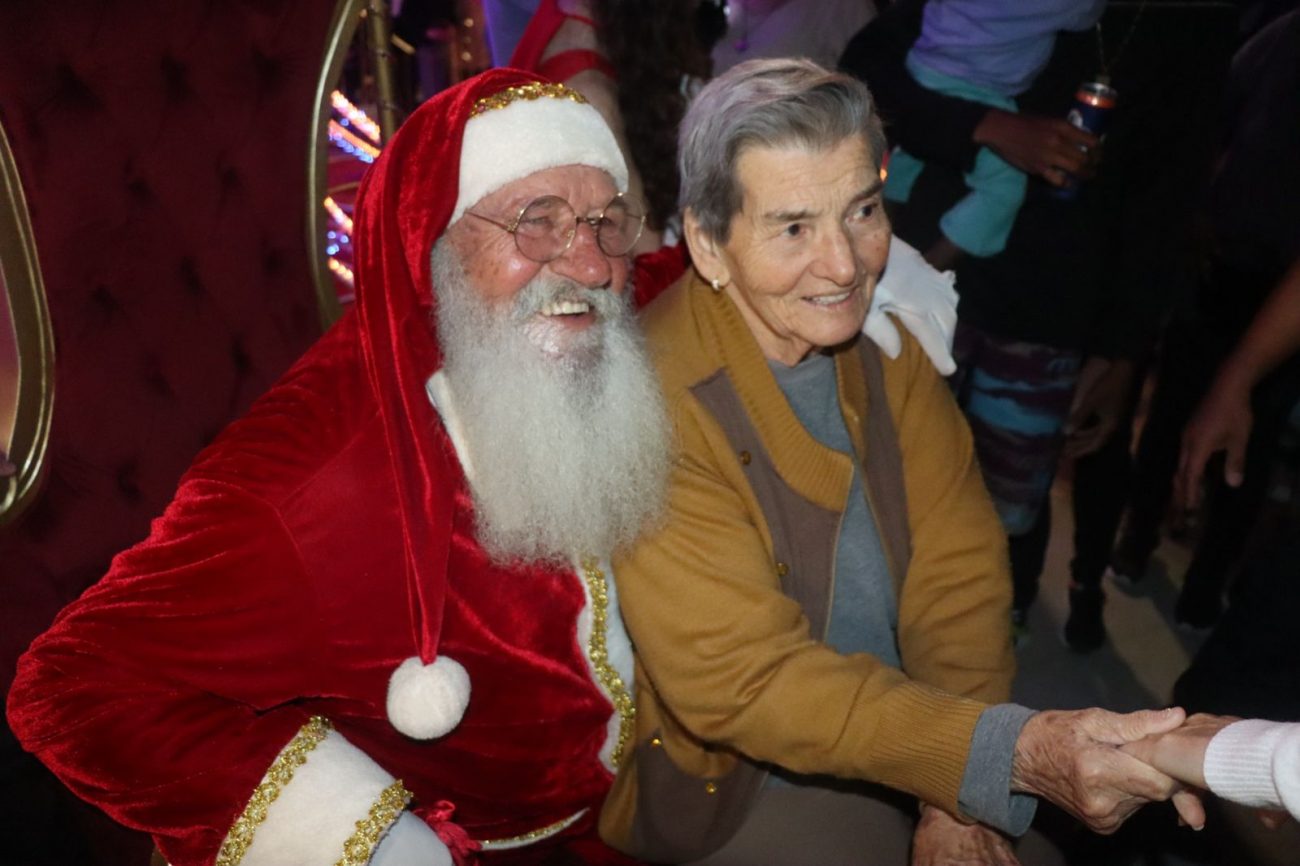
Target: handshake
[(1090, 763), (1101, 766)]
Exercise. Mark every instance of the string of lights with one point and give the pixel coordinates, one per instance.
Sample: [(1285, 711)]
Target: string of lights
[(354, 117), (351, 143)]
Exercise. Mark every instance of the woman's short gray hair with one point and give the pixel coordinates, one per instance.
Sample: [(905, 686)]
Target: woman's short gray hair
[(765, 103)]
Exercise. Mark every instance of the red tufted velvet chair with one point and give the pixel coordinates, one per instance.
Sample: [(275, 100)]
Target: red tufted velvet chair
[(162, 146)]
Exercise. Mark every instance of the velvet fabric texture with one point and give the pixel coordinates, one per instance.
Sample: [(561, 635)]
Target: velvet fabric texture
[(321, 540)]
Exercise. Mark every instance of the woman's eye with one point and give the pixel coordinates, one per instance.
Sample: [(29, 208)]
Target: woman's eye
[(866, 211), (793, 230)]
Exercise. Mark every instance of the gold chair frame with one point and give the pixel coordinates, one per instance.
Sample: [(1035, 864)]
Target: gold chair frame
[(343, 26), (25, 290)]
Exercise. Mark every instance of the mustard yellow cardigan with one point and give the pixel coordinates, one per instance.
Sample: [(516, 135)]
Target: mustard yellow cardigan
[(727, 669)]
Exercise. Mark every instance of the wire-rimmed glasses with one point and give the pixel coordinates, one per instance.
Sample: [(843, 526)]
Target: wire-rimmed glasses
[(545, 227)]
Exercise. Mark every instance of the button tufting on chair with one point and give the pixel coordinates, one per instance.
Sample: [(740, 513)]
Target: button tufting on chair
[(176, 83), (166, 180), (127, 483), (269, 71), (228, 179), (189, 277), (71, 90), (104, 300)]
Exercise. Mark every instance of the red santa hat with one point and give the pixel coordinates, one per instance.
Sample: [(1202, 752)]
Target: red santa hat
[(458, 147)]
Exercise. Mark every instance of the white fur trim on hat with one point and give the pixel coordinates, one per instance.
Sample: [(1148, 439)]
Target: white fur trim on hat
[(505, 144), (427, 701)]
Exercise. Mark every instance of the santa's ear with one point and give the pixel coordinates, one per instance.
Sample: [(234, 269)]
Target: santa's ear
[(706, 251)]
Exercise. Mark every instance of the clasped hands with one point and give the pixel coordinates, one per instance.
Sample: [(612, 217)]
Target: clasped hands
[(1087, 762), (1099, 766)]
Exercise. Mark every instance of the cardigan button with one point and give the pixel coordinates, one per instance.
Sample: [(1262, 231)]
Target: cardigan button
[(655, 742), (710, 788), (745, 458), (782, 569)]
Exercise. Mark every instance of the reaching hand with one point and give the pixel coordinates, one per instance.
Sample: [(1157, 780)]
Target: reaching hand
[(1049, 147), (1221, 423), (1180, 753), (1097, 405), (942, 840), (1073, 759)]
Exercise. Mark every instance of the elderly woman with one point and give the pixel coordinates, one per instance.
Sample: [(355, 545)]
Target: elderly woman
[(826, 603)]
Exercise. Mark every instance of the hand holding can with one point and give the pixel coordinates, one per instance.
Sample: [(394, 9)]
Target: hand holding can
[(1093, 103)]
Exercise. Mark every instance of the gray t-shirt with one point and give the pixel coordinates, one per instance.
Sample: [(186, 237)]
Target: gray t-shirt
[(864, 609), (864, 612)]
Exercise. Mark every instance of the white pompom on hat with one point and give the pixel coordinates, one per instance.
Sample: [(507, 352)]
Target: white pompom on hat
[(427, 701)]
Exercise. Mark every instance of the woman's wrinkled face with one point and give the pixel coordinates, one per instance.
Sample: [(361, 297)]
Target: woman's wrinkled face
[(807, 246)]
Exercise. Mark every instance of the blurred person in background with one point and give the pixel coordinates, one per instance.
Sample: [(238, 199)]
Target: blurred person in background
[(1050, 328), (1250, 238)]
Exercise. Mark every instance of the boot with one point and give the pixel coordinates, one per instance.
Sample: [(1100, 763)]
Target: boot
[(1084, 630)]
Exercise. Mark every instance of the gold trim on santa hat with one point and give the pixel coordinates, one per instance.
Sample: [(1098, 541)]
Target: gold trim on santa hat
[(528, 92)]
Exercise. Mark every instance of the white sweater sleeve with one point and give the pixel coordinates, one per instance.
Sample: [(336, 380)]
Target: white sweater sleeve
[(1256, 763)]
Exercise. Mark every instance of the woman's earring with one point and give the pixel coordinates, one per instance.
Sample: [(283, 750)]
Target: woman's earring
[(715, 284)]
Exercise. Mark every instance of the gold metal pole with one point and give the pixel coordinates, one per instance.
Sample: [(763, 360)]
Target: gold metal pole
[(22, 288), (379, 26)]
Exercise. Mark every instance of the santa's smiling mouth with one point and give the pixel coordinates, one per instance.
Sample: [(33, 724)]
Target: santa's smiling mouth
[(565, 308), (557, 322)]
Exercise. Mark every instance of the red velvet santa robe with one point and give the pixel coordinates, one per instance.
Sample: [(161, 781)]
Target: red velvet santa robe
[(272, 591), (224, 686)]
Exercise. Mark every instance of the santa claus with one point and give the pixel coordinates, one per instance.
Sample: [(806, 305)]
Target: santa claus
[(375, 624)]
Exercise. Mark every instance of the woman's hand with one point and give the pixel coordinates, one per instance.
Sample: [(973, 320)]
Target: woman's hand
[(942, 840)]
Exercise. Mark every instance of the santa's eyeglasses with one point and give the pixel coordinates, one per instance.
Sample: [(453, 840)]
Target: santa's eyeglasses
[(545, 228)]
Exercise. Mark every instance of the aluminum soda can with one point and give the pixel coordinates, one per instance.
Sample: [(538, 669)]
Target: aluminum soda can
[(1093, 103)]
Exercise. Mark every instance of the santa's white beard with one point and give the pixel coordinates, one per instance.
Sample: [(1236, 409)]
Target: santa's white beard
[(568, 438)]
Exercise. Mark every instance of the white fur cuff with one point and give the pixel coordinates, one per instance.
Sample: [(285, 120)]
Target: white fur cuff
[(333, 805)]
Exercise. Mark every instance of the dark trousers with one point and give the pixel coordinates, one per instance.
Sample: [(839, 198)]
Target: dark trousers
[(1102, 486), (1192, 354)]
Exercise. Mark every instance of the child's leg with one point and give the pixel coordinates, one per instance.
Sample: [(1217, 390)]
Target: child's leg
[(981, 222)]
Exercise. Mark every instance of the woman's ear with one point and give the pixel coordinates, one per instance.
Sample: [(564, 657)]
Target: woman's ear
[(706, 252)]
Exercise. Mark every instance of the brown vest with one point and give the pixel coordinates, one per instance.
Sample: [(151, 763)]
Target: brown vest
[(677, 818)]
